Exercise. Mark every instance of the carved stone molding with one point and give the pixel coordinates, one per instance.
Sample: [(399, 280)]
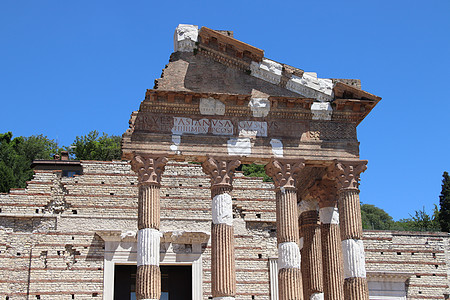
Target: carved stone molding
[(347, 173), (149, 169), (331, 130), (325, 191), (221, 171), (185, 237), (285, 173)]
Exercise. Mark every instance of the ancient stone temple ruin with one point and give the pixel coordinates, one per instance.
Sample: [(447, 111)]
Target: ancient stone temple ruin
[(177, 219), (221, 103)]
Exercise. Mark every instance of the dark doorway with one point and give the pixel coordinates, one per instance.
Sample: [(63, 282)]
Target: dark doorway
[(176, 282)]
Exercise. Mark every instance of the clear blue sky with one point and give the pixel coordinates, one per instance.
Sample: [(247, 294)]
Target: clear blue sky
[(69, 67)]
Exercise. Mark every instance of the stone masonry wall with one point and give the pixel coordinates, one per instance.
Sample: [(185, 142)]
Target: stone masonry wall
[(49, 248)]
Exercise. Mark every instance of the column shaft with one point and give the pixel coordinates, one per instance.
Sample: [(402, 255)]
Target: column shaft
[(223, 273), (355, 283), (285, 174), (148, 282), (333, 277), (289, 274), (350, 214), (287, 224), (347, 175), (333, 274), (148, 275), (148, 207), (311, 254), (289, 283)]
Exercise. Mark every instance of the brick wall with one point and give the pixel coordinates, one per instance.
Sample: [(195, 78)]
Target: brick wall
[(49, 248)]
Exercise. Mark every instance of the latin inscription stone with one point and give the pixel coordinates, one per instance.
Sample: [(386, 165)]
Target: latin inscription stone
[(211, 106), (252, 128), (226, 127), (183, 125)]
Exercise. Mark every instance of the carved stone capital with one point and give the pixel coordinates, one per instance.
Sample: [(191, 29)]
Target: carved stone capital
[(284, 173), (148, 168), (325, 191), (221, 171), (347, 173)]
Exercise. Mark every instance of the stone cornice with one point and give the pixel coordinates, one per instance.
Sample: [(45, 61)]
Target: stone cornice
[(176, 237), (346, 110), (389, 276), (223, 43)]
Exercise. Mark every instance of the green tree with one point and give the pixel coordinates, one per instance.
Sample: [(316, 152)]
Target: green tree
[(16, 156), (375, 218), (444, 204), (254, 170), (421, 221), (95, 147)]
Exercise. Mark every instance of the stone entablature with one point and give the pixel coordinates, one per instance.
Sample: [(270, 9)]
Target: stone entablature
[(176, 123)]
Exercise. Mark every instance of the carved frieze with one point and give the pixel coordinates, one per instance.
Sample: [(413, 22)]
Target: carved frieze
[(330, 130), (149, 169), (233, 126), (284, 173)]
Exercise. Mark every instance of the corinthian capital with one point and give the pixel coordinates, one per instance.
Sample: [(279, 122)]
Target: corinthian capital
[(148, 168), (284, 173), (220, 170), (325, 191), (347, 173)]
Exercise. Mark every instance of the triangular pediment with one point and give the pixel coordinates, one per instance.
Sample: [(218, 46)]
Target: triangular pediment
[(210, 61)]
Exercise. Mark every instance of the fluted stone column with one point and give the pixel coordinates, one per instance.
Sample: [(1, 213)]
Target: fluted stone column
[(223, 272), (310, 249), (148, 276), (347, 177), (333, 273), (285, 174)]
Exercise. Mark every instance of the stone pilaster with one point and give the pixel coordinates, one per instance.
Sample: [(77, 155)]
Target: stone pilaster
[(347, 178), (310, 249), (223, 273), (148, 277), (333, 273), (285, 174)]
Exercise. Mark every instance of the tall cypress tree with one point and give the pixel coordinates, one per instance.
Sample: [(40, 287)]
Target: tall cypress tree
[(444, 203)]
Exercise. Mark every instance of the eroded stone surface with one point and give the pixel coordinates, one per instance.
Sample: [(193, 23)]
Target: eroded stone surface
[(239, 146), (148, 247), (329, 215), (321, 111), (222, 211), (185, 37), (288, 255), (260, 107), (354, 258)]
